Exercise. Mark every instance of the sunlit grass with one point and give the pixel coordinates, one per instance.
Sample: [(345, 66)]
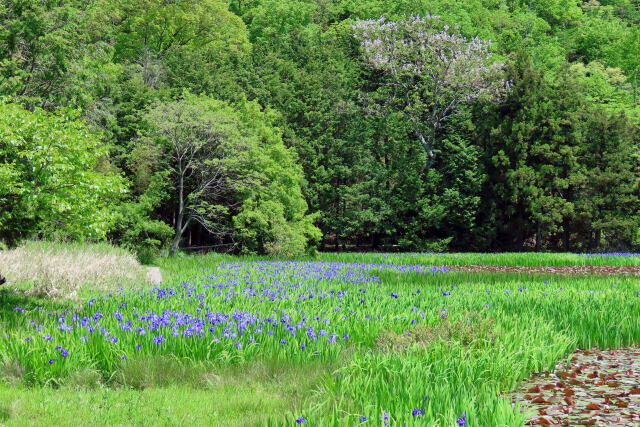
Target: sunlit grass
[(69, 270), (533, 259)]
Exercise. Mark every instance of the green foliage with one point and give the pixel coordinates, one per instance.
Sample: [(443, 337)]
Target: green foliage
[(56, 179), (38, 42), (342, 120), (273, 216), (546, 169), (232, 174), (133, 226)]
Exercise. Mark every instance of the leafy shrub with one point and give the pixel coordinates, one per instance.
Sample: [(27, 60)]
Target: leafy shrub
[(54, 180)]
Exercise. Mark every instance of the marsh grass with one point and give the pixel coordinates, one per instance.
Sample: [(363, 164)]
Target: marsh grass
[(84, 378), (188, 266), (476, 336), (11, 371), (69, 270), (530, 259)]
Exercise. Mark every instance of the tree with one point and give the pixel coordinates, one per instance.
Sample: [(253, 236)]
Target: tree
[(38, 41), (428, 72), (54, 176), (204, 150), (631, 60), (532, 152), (608, 205), (273, 216), (231, 173), (134, 226)]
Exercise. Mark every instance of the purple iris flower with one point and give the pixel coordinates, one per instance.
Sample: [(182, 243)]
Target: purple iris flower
[(462, 419)]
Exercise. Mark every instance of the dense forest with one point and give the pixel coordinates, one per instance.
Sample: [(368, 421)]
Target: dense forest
[(285, 126)]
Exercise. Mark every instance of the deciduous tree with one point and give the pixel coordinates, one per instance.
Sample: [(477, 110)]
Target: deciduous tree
[(54, 176), (429, 70)]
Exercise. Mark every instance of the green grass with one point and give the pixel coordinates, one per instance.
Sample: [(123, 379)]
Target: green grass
[(240, 401), (185, 266), (462, 351), (471, 258)]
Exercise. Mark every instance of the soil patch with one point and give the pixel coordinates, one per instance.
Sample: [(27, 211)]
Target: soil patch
[(597, 388), (633, 270)]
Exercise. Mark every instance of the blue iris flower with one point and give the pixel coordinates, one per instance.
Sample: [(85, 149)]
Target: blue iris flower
[(462, 419)]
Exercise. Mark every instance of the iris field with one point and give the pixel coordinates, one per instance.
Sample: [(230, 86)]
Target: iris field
[(366, 339)]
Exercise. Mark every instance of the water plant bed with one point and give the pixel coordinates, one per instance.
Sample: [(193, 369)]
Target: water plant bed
[(612, 270), (596, 387)]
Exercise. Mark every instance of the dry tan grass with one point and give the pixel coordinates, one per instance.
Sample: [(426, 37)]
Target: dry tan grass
[(475, 330), (70, 271)]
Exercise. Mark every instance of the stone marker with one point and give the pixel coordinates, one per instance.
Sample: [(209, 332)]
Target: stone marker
[(154, 275)]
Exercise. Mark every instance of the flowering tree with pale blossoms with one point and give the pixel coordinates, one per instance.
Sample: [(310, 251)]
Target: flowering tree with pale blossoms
[(428, 71)]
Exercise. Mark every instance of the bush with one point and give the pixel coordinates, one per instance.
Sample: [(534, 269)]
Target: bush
[(54, 180), (146, 255)]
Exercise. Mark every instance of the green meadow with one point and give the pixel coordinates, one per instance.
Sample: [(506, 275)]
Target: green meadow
[(343, 339)]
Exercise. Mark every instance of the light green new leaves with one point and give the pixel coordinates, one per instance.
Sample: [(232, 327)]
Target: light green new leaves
[(54, 180)]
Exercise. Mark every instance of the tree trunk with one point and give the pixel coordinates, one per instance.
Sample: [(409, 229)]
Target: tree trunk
[(179, 227), (175, 243), (596, 240), (635, 88), (539, 237), (426, 144)]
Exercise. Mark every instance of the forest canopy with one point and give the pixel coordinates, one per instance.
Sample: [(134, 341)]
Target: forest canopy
[(282, 127)]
